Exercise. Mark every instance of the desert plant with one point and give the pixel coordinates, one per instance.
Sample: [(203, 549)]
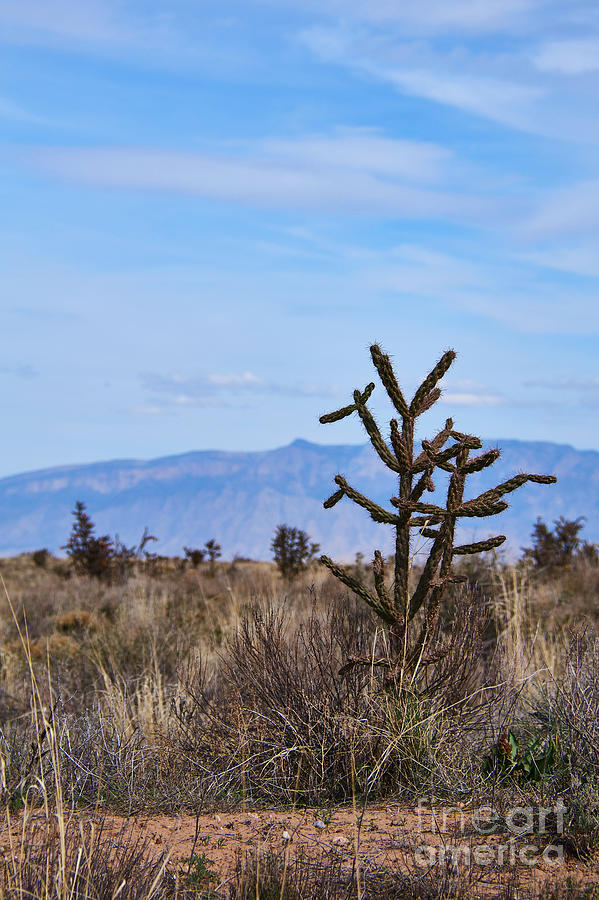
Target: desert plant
[(41, 557), (54, 862), (194, 555), (559, 548), (214, 552), (292, 550), (411, 619), (89, 554), (529, 762)]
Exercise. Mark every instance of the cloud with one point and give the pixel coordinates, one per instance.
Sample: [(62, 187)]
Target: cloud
[(573, 208), (565, 384), (483, 85), (157, 33), (265, 180), (468, 399), (501, 99), (573, 57), (90, 21), (221, 389), (517, 83), (435, 16), (363, 149), (579, 260), (466, 392), (587, 390)]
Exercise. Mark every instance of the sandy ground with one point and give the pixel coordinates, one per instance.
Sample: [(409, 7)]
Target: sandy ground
[(384, 835)]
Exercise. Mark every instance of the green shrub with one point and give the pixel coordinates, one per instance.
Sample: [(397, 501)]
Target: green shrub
[(292, 551), (559, 548), (89, 554)]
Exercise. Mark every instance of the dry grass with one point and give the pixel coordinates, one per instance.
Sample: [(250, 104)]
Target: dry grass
[(176, 690)]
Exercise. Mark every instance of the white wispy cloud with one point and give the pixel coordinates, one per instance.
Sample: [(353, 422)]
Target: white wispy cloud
[(571, 57), (218, 389), (522, 84), (581, 259), (467, 392), (570, 209), (500, 87), (355, 186), (93, 20), (162, 34), (565, 384), (506, 101), (363, 149), (471, 16), (579, 391), (461, 398)]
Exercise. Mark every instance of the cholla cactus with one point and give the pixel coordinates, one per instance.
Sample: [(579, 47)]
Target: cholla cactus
[(411, 619)]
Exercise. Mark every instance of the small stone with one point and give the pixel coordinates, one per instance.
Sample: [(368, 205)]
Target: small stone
[(319, 824), (286, 836), (339, 840)]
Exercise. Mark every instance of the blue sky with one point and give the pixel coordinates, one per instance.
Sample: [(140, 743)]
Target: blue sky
[(211, 210)]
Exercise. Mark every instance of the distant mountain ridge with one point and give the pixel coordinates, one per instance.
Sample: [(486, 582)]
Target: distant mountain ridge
[(239, 498)]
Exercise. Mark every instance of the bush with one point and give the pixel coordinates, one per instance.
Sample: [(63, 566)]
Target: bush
[(214, 552), (89, 554), (292, 551), (559, 548), (41, 557), (91, 864), (194, 555)]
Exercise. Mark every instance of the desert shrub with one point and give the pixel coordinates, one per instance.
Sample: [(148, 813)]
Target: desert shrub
[(280, 721), (89, 554), (576, 704), (560, 547), (41, 557), (92, 864), (213, 551), (576, 709), (194, 555), (326, 876), (292, 550)]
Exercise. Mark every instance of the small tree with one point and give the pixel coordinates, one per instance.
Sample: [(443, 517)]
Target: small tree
[(559, 548), (41, 557), (89, 554), (214, 552), (194, 555), (292, 550), (411, 619)]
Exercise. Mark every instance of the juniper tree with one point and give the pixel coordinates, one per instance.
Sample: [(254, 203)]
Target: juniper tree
[(90, 555), (292, 550), (411, 618)]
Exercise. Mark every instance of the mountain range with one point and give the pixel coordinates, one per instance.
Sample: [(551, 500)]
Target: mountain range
[(239, 498)]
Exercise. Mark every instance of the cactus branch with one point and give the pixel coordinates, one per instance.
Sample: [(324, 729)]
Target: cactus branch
[(480, 546), (347, 410), (376, 512), (358, 588), (387, 376), (430, 382), (376, 438)]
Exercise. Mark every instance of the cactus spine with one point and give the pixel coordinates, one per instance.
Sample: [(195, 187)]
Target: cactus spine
[(411, 619)]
